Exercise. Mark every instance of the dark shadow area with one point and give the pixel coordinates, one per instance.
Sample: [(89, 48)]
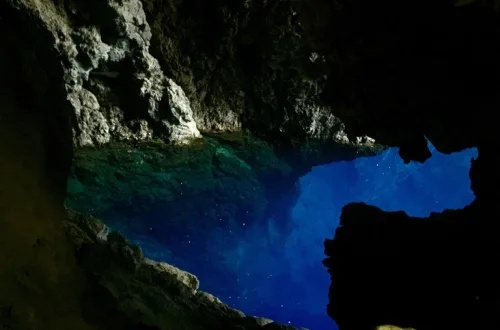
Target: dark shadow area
[(40, 283)]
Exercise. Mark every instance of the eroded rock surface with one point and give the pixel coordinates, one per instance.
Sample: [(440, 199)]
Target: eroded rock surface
[(243, 64), (230, 67)]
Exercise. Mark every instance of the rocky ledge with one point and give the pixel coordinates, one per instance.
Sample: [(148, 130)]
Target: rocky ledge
[(129, 291)]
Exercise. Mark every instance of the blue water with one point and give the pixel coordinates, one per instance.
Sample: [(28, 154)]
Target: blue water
[(280, 276)]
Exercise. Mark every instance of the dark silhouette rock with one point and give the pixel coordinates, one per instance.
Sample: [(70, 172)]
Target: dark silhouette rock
[(402, 72)]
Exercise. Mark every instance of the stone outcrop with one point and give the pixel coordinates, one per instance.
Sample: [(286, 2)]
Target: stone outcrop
[(406, 72), (129, 291), (115, 86), (243, 64)]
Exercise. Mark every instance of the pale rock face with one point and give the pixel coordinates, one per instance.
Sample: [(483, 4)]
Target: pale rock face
[(92, 125), (114, 85), (188, 279), (181, 126)]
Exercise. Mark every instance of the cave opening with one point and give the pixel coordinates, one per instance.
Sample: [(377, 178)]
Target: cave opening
[(270, 268)]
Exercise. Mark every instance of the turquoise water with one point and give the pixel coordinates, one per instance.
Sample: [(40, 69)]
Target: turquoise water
[(265, 271)]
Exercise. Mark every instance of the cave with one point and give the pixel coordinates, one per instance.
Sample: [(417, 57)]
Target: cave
[(84, 189)]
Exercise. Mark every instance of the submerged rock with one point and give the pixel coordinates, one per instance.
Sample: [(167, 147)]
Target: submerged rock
[(219, 179), (196, 200)]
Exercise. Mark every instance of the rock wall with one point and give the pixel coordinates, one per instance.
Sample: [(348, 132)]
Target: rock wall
[(243, 64), (408, 79), (239, 66)]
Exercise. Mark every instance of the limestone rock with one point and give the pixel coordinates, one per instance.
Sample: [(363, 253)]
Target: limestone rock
[(189, 280), (113, 67), (118, 89), (113, 83), (181, 125), (245, 66)]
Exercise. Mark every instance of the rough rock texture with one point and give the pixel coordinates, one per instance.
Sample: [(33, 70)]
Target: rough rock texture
[(402, 71), (116, 89), (127, 291), (243, 64), (238, 73)]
